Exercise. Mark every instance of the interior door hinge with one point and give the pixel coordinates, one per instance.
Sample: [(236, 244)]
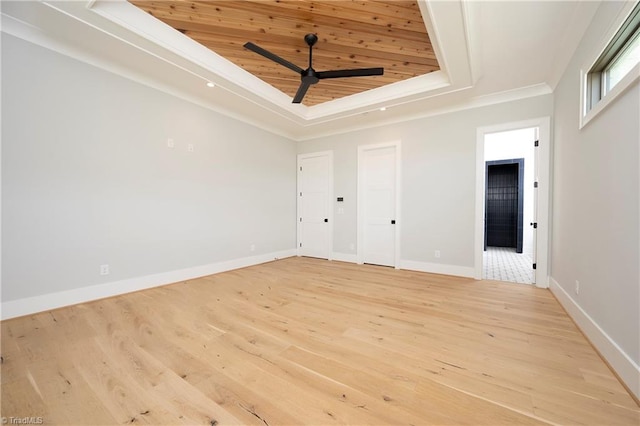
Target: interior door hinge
[(300, 244), (534, 224), (535, 184), (534, 266), (301, 194), (300, 219), (536, 143), (300, 168)]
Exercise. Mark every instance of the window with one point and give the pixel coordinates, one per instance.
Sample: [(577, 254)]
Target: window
[(619, 59)]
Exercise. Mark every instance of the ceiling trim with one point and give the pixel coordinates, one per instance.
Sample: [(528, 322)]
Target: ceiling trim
[(474, 102), (451, 39)]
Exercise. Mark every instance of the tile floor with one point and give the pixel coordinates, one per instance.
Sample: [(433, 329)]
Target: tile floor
[(504, 264)]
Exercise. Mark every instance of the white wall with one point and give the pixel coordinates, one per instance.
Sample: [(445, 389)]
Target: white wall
[(596, 211), (88, 179), (438, 181), (517, 144)]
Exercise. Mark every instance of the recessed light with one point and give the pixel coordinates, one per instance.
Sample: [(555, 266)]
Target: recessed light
[(210, 84), (383, 109)]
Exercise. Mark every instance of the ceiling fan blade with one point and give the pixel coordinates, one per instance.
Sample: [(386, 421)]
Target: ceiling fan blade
[(275, 58), (302, 90), (360, 72)]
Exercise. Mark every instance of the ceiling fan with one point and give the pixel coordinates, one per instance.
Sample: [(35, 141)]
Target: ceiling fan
[(311, 76)]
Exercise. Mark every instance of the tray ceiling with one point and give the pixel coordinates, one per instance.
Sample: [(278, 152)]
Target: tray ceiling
[(488, 52), (352, 34)]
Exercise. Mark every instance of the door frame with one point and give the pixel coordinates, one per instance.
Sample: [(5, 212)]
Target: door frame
[(330, 215), (360, 202), (520, 222), (542, 175)]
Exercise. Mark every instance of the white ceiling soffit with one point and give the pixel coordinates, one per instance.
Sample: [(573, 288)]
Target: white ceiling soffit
[(488, 52)]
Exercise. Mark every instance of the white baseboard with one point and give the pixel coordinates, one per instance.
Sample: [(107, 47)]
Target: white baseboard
[(438, 268), (344, 257), (45, 302), (624, 366), (412, 265)]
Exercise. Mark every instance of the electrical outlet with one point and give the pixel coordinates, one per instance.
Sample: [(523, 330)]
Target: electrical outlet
[(170, 143), (577, 287), (253, 247), (437, 254), (104, 269), (190, 147)]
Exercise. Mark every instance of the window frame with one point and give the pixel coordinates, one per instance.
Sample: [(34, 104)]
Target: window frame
[(595, 95)]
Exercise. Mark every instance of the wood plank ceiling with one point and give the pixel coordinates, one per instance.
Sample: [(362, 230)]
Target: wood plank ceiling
[(351, 34)]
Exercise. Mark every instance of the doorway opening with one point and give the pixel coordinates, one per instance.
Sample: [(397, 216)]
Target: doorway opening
[(509, 202), (504, 204), (536, 219)]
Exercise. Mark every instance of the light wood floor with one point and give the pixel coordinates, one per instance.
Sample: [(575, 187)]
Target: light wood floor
[(304, 341)]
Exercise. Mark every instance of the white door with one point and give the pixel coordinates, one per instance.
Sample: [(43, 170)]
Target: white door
[(314, 205), (378, 171)]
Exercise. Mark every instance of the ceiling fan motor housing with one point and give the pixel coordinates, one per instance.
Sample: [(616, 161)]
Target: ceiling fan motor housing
[(309, 75)]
